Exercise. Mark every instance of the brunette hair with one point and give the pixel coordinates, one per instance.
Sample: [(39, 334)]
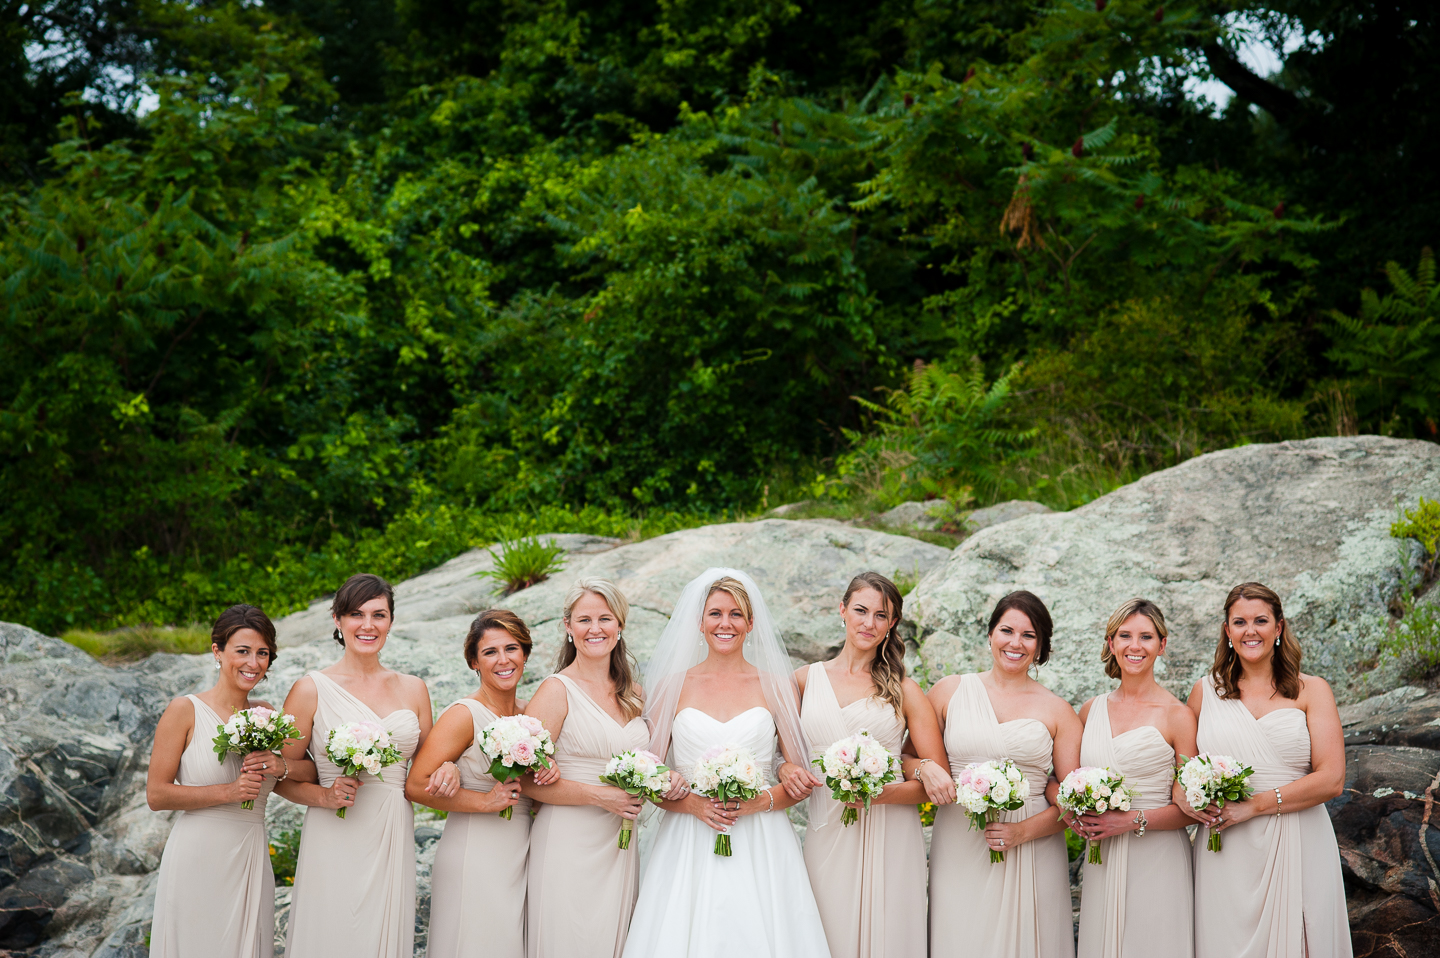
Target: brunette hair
[(888, 669), (1029, 603), (1130, 607), (1284, 663), (502, 619), (243, 616), (622, 666), (357, 590)]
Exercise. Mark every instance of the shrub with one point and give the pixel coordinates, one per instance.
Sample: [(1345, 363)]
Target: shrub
[(525, 562), (284, 853), (1414, 634)]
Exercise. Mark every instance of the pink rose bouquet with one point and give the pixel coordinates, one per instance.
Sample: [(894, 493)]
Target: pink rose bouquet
[(515, 744)]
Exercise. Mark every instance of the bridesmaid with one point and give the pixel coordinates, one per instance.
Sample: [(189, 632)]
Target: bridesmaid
[(1274, 890), (582, 888), (1019, 908), (869, 878), (1139, 903), (216, 894), (477, 898), (354, 891)]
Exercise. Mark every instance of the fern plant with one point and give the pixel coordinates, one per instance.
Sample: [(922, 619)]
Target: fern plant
[(525, 562), (1393, 348)]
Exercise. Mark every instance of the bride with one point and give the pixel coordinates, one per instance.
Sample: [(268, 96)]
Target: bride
[(708, 686)]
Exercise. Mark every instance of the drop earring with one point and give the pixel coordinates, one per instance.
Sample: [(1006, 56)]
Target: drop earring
[(1277, 641), (1229, 643), (569, 637), (217, 665)]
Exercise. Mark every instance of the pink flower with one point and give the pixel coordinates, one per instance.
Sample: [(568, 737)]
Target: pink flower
[(531, 724), (522, 753), (261, 714)]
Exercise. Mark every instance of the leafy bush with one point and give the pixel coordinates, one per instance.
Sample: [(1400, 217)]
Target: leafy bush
[(1414, 633), (284, 854), (1422, 523), (1393, 348), (525, 562)]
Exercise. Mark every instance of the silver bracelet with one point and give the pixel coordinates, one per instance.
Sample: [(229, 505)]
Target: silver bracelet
[(1140, 820), (1278, 802), (920, 766), (771, 792)]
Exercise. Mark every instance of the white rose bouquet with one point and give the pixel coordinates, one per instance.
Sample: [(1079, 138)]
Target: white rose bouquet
[(1092, 790), (515, 744), (857, 769), (1214, 779), (360, 747), (256, 729), (639, 773), (985, 789), (726, 772)]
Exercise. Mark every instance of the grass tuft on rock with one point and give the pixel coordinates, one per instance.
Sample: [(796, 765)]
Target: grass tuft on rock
[(136, 642), (525, 562)]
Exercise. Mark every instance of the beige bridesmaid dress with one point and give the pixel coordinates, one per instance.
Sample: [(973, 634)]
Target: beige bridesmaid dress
[(1140, 902), (216, 893), (869, 877), (1019, 908), (354, 891), (477, 884), (582, 887), (1274, 889)]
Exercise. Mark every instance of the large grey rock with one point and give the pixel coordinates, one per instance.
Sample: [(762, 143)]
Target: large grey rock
[(1310, 519), (918, 515), (1004, 512)]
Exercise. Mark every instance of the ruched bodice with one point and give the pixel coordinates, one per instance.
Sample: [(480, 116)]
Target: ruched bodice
[(591, 736), (973, 734), (1019, 908), (372, 911), (216, 891), (472, 764), (868, 877), (1137, 903), (1275, 889)]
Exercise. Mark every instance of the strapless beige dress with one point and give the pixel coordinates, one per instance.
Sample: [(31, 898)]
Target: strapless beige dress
[(354, 891), (869, 877), (477, 884), (1274, 889), (1019, 908), (216, 892), (582, 887), (1139, 903)]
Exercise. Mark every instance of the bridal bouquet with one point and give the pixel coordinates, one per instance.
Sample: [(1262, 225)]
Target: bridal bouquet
[(256, 729), (360, 747), (856, 769), (728, 772), (986, 789), (1091, 790), (1214, 779), (515, 744), (639, 773)]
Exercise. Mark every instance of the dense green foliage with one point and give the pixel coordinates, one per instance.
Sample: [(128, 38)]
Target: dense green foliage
[(367, 283)]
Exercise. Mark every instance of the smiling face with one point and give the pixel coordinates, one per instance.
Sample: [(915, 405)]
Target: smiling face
[(365, 629), (1251, 627), (868, 619), (500, 660), (1014, 643), (592, 626), (1136, 645), (244, 660), (723, 623)]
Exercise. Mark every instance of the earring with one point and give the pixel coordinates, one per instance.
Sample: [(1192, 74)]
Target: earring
[(1277, 641), (569, 637), (217, 665), (1229, 643)]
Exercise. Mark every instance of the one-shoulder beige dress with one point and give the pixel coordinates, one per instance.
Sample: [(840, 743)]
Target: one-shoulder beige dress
[(216, 892), (1139, 902), (354, 891), (1274, 889), (477, 884), (582, 887), (1019, 908), (869, 877)]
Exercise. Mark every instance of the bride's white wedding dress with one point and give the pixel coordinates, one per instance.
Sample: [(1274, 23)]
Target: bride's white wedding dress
[(696, 904)]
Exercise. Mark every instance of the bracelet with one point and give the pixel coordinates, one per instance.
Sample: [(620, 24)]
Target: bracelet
[(1278, 802), (920, 766), (1140, 820), (771, 792), (287, 768)]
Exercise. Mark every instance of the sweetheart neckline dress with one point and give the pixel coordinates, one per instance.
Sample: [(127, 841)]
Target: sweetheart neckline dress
[(696, 904)]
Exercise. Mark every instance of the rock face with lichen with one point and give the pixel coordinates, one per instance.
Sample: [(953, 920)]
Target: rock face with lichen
[(1309, 519)]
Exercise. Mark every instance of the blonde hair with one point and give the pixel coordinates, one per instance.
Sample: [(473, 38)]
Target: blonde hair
[(735, 589), (1128, 608), (622, 666)]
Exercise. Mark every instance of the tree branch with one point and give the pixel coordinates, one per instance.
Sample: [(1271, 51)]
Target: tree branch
[(1281, 104)]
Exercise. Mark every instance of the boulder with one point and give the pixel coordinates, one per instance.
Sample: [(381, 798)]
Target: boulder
[(1310, 519), (917, 515), (1004, 512)]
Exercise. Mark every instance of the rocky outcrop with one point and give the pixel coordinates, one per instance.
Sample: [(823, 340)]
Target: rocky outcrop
[(1310, 519)]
